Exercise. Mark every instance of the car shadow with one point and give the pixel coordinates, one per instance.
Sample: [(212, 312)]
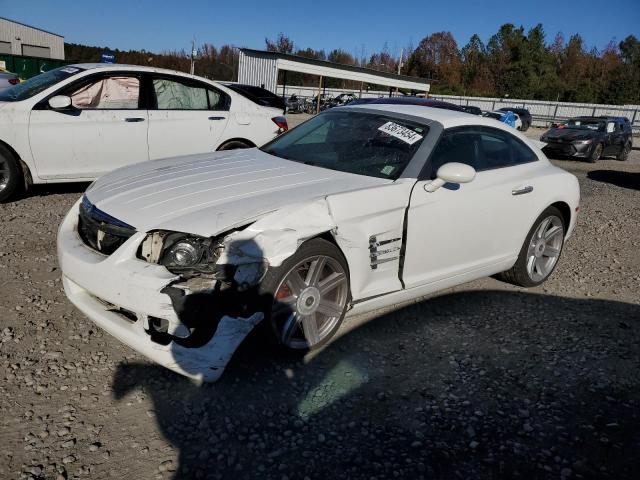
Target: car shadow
[(477, 384), (630, 180), (57, 188)]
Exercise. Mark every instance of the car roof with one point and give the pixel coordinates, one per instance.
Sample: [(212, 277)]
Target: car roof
[(137, 68), (448, 118)]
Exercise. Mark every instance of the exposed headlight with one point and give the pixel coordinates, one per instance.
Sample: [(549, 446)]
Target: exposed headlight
[(181, 252), (583, 142)]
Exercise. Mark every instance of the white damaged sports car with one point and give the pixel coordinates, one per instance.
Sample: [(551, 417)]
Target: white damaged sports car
[(358, 208)]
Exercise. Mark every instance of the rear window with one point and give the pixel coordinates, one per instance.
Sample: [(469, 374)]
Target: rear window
[(258, 95)]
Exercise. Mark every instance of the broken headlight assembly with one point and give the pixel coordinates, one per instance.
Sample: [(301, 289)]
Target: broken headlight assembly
[(181, 252)]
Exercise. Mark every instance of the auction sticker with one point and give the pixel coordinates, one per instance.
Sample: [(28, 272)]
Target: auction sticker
[(403, 133), (69, 70)]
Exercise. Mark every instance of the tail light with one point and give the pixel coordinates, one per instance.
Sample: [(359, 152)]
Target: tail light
[(281, 122), (14, 81)]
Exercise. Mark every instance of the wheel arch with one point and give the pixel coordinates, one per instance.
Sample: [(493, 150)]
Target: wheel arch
[(236, 139), (565, 210)]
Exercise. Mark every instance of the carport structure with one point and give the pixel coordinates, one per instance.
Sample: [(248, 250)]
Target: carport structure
[(260, 68)]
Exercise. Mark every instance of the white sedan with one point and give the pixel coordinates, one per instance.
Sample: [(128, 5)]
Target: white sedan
[(78, 122), (359, 208)]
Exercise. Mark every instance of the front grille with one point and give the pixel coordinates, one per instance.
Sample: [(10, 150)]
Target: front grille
[(100, 231)]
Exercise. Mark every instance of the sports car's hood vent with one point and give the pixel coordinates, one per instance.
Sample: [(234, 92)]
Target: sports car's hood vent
[(101, 231)]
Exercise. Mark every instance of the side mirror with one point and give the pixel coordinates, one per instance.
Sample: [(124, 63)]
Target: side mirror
[(60, 102), (452, 172)]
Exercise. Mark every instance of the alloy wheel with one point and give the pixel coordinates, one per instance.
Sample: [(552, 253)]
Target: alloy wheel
[(309, 302), (544, 248)]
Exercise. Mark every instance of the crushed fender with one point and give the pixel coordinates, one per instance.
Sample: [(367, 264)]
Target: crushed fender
[(272, 238)]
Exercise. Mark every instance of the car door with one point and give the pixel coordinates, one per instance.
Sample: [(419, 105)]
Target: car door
[(616, 139), (104, 128), (189, 117), (462, 228)]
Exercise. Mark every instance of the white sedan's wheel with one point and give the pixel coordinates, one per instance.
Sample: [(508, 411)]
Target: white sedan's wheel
[(10, 175), (544, 248), (310, 296), (541, 251)]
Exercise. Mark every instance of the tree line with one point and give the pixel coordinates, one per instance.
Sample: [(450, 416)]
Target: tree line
[(513, 63)]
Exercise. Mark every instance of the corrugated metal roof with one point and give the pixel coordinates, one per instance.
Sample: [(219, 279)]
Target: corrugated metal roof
[(31, 26), (327, 64)]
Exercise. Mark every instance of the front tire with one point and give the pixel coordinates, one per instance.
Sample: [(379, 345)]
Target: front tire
[(10, 174), (310, 293), (596, 153), (540, 252)]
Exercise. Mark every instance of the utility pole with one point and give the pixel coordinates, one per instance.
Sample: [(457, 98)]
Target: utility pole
[(193, 56), (400, 65)]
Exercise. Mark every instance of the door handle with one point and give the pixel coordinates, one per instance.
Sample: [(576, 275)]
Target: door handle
[(216, 118), (522, 190), (134, 119)]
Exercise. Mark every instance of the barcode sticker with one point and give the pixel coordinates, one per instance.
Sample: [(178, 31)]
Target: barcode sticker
[(403, 133)]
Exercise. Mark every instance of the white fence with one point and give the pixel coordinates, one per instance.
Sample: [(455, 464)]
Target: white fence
[(543, 112)]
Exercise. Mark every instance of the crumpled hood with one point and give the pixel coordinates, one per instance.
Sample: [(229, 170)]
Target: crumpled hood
[(569, 134), (210, 193)]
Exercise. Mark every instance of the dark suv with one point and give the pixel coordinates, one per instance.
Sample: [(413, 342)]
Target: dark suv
[(590, 138), (523, 113)]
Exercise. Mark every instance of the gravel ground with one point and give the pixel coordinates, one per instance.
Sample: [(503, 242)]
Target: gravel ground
[(484, 380)]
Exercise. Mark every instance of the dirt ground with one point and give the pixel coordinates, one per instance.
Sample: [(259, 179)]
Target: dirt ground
[(484, 380)]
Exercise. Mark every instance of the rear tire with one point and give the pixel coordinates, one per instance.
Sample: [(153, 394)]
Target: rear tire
[(540, 252), (623, 155), (596, 153), (234, 145), (10, 174)]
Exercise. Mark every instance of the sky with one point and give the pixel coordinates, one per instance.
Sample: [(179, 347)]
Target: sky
[(354, 26)]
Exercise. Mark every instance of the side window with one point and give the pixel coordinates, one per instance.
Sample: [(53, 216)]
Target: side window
[(457, 145), (218, 100), (174, 95), (119, 92), (501, 149), (496, 151)]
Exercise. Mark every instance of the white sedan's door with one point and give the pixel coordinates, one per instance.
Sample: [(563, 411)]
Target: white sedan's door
[(459, 229), (105, 129), (190, 118)]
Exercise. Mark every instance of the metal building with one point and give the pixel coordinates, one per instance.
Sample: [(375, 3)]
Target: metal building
[(19, 39), (260, 68)]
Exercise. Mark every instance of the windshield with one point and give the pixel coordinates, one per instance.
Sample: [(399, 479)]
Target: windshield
[(37, 84), (585, 124), (375, 145)]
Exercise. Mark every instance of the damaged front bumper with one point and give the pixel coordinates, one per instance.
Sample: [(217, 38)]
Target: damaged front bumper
[(126, 296)]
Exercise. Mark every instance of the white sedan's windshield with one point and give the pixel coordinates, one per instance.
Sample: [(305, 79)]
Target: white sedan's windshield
[(37, 84), (376, 145)]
